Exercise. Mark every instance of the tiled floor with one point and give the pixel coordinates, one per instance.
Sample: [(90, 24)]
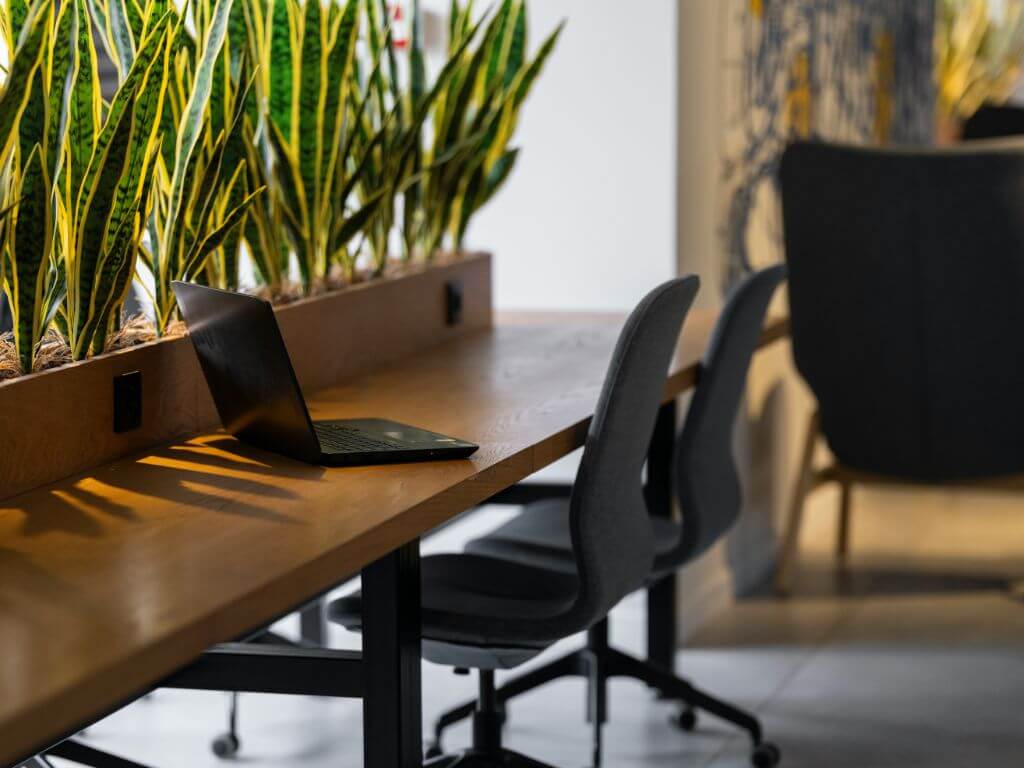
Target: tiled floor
[(914, 658)]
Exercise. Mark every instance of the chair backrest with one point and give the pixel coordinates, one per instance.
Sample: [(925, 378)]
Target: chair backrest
[(906, 278), (995, 122), (611, 530), (707, 482), (6, 322)]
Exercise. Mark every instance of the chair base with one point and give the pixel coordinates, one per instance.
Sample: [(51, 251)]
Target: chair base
[(487, 750), (477, 759), (82, 754), (598, 663)]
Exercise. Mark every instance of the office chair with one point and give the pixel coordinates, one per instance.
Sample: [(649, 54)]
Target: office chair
[(994, 122), (905, 285), (490, 613), (6, 321), (708, 489)]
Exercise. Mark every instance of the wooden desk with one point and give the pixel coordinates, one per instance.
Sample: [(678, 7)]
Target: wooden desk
[(112, 580)]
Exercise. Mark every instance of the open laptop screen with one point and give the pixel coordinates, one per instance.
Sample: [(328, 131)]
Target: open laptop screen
[(247, 368)]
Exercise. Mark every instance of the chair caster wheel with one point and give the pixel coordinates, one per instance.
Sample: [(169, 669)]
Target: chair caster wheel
[(766, 755), (433, 751), (686, 720), (226, 745)]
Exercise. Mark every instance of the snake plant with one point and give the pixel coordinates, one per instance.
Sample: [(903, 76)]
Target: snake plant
[(400, 112), (306, 54), (475, 119), (202, 186), (110, 176), (30, 133)]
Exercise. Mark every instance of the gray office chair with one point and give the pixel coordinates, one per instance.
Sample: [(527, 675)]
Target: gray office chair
[(6, 322), (708, 488), (905, 285), (490, 613), (994, 121)]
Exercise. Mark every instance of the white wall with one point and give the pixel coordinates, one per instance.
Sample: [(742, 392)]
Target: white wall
[(587, 220)]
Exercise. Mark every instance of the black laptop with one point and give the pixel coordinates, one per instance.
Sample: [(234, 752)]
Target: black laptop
[(257, 395)]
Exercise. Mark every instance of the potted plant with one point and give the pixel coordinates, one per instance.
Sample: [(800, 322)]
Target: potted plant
[(212, 154)]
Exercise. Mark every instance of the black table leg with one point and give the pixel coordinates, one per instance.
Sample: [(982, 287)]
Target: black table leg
[(392, 701), (661, 597)]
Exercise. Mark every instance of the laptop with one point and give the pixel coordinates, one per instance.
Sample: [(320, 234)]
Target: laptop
[(259, 401)]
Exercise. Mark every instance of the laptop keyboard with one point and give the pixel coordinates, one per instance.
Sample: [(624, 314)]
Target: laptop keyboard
[(338, 439)]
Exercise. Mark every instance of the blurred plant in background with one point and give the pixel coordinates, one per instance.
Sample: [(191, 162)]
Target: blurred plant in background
[(979, 46), (474, 120)]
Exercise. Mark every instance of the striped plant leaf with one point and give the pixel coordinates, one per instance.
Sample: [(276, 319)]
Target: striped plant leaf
[(515, 55), (478, 114), (497, 51), (306, 143), (339, 67), (191, 125), (27, 59), (109, 274), (63, 59), (85, 103), (91, 226), (281, 69), (29, 256), (119, 32), (32, 125), (18, 13), (238, 191), (121, 105), (146, 110), (215, 239), (113, 198)]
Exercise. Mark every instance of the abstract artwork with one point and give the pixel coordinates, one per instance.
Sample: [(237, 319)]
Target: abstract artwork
[(856, 71)]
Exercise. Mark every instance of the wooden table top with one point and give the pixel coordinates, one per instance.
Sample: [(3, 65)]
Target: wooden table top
[(111, 580)]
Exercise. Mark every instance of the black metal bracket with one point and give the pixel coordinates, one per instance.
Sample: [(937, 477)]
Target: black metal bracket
[(258, 668), (528, 493), (80, 753)]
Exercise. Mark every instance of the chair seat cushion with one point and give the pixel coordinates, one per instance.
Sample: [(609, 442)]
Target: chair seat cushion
[(479, 611), (540, 536)]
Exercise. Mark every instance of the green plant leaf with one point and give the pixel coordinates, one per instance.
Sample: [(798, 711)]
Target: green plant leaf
[(289, 177), (18, 12), (192, 121), (30, 249), (214, 240), (105, 171), (146, 110), (84, 107), (120, 106), (282, 70), (27, 59), (32, 126), (237, 192), (120, 33), (350, 226), (529, 76), (308, 142), (340, 59), (63, 60)]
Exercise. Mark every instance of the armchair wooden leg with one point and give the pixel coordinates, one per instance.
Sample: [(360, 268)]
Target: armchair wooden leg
[(801, 487), (843, 532)]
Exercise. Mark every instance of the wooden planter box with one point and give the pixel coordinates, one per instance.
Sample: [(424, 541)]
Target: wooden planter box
[(60, 422)]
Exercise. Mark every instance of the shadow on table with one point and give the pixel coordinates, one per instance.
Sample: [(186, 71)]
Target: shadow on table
[(213, 474)]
